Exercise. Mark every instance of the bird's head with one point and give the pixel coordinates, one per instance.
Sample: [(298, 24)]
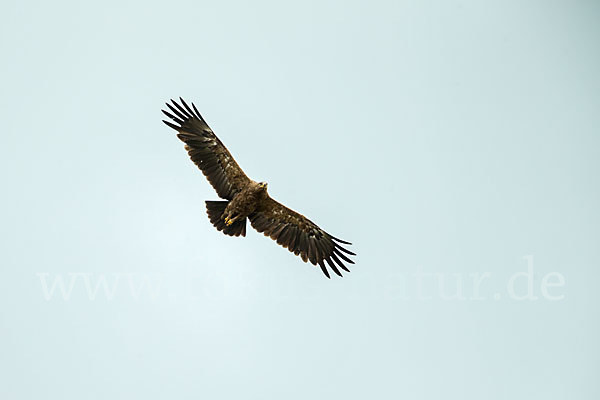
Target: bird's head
[(262, 185)]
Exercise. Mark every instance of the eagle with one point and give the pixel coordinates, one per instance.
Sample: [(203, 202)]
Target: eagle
[(245, 199)]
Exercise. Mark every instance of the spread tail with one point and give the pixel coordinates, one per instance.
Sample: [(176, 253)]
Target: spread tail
[(215, 211)]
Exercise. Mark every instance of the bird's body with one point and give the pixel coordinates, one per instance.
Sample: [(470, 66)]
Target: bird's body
[(246, 199), (246, 202)]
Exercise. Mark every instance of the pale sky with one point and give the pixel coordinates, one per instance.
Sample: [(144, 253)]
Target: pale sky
[(455, 144)]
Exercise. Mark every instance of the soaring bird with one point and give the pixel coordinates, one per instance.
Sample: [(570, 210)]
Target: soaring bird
[(247, 199)]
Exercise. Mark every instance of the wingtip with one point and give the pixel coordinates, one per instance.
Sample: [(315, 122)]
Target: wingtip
[(189, 112), (337, 246), (197, 113), (342, 256), (339, 240), (324, 270), (171, 125)]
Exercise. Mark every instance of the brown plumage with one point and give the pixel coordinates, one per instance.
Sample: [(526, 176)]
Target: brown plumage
[(247, 199)]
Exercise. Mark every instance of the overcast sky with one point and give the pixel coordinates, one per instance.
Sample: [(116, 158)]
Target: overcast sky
[(455, 144)]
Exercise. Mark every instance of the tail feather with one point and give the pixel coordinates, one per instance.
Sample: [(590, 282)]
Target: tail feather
[(215, 211)]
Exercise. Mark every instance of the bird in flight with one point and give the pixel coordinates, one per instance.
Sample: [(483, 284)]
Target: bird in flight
[(246, 199)]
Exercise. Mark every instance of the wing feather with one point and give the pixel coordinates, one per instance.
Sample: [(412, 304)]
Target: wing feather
[(324, 269), (300, 236), (338, 262), (337, 246), (206, 150), (342, 256)]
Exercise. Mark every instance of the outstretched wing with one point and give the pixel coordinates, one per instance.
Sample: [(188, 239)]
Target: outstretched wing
[(206, 150), (300, 236)]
